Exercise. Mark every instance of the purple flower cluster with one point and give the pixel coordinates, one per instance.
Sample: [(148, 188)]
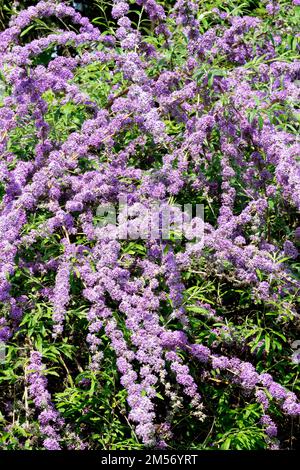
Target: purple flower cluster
[(51, 423)]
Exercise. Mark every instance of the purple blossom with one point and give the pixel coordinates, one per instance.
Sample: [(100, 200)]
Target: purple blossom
[(290, 250), (48, 416)]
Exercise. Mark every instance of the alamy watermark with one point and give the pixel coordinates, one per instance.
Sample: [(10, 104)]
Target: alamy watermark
[(150, 221)]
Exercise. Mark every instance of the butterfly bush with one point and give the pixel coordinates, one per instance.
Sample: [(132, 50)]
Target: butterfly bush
[(195, 116), (49, 419)]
